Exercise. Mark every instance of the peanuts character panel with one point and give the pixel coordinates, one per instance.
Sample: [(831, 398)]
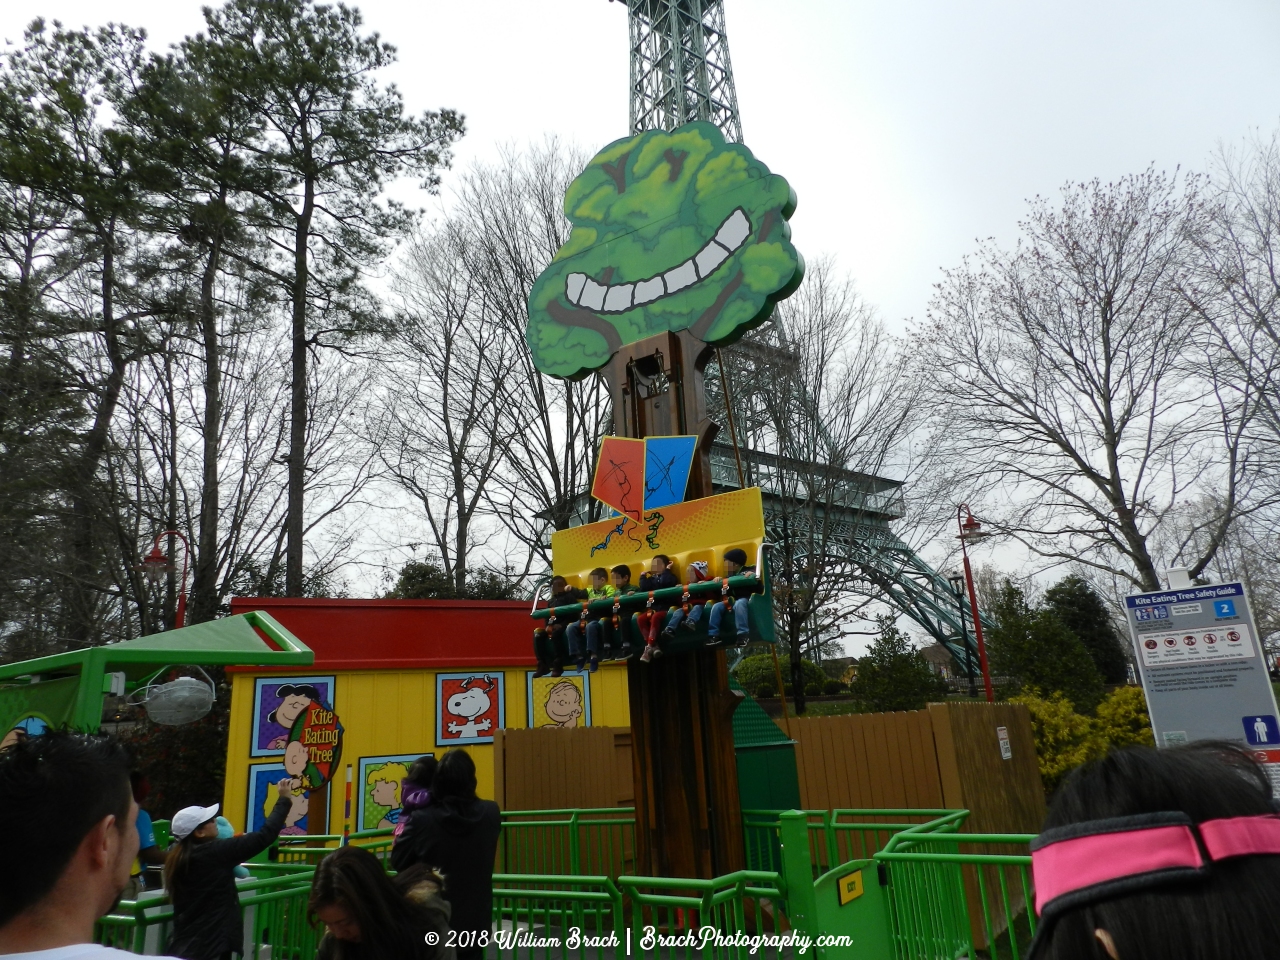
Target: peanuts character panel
[(277, 704), (381, 794), (563, 701), (263, 778), (469, 707), (29, 726)]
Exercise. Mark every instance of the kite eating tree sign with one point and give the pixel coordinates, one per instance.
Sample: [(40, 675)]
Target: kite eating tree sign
[(1204, 670), (314, 747)]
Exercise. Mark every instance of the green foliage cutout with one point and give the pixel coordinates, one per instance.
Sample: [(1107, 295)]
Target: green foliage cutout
[(671, 231)]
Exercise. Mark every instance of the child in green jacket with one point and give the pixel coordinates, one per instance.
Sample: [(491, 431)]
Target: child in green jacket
[(600, 589)]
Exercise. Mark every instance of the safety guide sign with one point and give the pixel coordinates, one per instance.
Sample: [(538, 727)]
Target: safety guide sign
[(1203, 669)]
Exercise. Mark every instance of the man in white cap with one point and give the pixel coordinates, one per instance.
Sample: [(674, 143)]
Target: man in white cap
[(67, 801)]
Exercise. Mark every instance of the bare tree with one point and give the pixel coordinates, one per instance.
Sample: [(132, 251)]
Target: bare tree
[(822, 398), (512, 214), (1073, 388), (445, 418)]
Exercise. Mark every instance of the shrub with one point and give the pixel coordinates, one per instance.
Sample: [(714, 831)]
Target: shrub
[(894, 675), (765, 689), (1034, 649), (832, 687), (1065, 739), (812, 690)]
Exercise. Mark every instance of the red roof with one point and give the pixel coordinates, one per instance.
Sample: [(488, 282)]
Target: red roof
[(404, 634)]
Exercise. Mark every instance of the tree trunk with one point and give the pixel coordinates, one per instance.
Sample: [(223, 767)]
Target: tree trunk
[(204, 585), (81, 619), (298, 397)]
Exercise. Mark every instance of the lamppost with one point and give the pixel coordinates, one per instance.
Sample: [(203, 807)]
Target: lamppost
[(971, 531), (157, 563), (957, 587)]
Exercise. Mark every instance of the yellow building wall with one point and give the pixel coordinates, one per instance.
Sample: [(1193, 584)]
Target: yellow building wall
[(389, 712)]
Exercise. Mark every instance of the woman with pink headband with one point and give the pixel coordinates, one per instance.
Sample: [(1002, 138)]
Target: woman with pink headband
[(1157, 855)]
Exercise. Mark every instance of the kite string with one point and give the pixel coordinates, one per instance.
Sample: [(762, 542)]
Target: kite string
[(728, 409)]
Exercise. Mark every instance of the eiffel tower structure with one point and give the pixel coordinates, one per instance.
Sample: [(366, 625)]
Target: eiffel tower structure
[(680, 72)]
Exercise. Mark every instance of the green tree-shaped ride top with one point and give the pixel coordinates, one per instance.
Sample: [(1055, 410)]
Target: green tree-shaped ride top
[(671, 231)]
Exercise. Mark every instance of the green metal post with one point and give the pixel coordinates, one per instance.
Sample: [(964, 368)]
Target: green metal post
[(88, 710), (797, 871), (575, 851)]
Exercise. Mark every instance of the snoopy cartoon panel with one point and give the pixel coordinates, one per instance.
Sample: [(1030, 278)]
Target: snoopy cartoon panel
[(469, 707), (277, 703), (563, 701)]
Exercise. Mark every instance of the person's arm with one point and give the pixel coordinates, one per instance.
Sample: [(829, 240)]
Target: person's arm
[(239, 849)]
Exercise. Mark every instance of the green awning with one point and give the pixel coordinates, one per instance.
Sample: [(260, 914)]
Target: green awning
[(231, 641)]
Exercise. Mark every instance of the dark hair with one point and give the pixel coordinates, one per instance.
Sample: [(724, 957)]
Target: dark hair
[(1229, 912), (423, 772), (663, 557), (558, 579), (600, 572), (390, 924), (178, 860), (54, 789), (455, 777), (736, 555), (291, 690), (622, 570)]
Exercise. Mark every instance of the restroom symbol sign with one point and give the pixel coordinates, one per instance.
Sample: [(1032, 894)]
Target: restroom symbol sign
[(1261, 730)]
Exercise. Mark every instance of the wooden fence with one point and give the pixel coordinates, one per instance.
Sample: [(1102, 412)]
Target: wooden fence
[(553, 769), (947, 755)]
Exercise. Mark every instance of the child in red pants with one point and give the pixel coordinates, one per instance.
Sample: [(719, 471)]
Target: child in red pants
[(650, 620)]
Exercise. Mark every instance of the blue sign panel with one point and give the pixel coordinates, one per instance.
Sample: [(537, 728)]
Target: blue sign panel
[(1224, 608), (667, 462), (1261, 730)]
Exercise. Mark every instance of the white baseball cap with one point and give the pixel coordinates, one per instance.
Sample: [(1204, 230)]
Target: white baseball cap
[(188, 818)]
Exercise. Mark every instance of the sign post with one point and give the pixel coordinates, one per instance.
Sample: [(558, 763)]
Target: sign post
[(1204, 670)]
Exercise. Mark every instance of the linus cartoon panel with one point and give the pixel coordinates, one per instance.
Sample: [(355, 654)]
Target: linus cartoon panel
[(563, 701), (469, 707)]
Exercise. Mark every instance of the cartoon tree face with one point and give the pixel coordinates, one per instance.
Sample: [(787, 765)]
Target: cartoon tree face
[(671, 231)]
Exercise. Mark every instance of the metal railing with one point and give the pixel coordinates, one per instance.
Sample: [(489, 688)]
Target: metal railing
[(274, 910), (950, 893), (835, 836), (597, 841)]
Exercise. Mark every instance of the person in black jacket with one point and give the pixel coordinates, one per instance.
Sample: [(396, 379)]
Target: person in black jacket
[(735, 600), (457, 835), (200, 878), (650, 620), (549, 646)]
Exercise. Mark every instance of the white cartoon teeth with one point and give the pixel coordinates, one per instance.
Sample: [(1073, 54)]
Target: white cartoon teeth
[(582, 291)]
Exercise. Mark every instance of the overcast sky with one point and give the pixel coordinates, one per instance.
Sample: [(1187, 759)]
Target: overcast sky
[(908, 128)]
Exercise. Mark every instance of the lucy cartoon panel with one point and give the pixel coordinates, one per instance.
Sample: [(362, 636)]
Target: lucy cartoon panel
[(277, 703), (380, 789), (469, 707), (563, 701), (263, 778)]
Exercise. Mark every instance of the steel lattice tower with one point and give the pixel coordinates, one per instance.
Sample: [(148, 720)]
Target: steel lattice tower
[(680, 68), (680, 71)]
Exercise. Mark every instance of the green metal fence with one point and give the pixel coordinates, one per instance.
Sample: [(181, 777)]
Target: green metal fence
[(274, 910), (900, 884), (835, 836), (569, 842), (950, 893)]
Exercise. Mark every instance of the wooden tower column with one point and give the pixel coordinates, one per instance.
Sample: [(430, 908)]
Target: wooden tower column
[(688, 817)]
